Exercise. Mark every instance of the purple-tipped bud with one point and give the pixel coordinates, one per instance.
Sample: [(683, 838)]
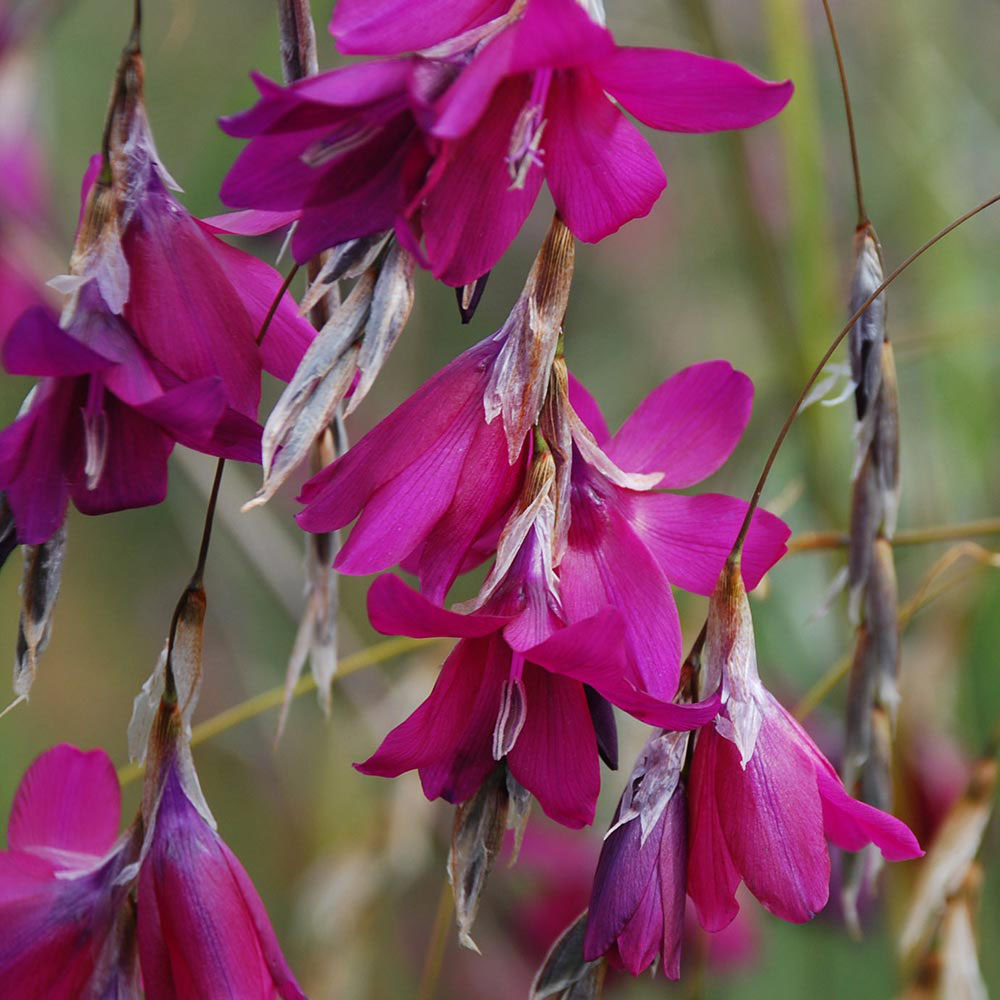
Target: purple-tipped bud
[(637, 905)]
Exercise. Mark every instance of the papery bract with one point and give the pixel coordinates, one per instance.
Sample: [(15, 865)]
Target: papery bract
[(58, 896)]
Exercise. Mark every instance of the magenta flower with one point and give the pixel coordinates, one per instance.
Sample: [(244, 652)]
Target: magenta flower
[(429, 480), (636, 911), (156, 346), (764, 800), (102, 422), (627, 547), (536, 102), (386, 27), (514, 688), (58, 897), (341, 151), (203, 931)]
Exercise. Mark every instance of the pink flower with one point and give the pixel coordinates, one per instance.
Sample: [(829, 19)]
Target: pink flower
[(453, 144), (636, 911), (628, 547), (514, 688), (203, 931), (156, 346), (340, 151), (763, 798), (535, 102), (428, 481), (59, 900)]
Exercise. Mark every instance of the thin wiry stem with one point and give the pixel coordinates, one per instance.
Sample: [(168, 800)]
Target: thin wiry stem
[(737, 549), (817, 541), (434, 956), (862, 214), (273, 697)]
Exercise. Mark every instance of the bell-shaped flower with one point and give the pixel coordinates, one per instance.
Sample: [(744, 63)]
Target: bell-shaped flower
[(541, 100), (340, 152), (636, 912), (629, 543), (102, 422), (203, 930), (520, 686), (61, 899), (435, 481), (763, 798)]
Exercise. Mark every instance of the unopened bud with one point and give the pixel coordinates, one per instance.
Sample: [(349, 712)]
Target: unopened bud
[(885, 443), (866, 336)]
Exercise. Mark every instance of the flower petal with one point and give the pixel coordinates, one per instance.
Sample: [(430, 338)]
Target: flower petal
[(602, 172), (779, 849), (395, 609), (691, 536), (555, 756), (470, 213), (687, 427), (68, 799), (852, 825), (712, 878), (607, 564), (680, 91), (449, 736), (385, 27), (587, 410), (37, 345)]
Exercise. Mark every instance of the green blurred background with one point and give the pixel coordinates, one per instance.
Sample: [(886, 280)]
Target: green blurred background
[(747, 257)]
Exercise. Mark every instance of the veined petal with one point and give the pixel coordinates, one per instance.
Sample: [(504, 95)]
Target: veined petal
[(779, 849), (691, 536), (588, 411), (606, 564), (687, 427), (68, 799), (555, 756), (683, 92), (448, 737), (395, 609), (602, 172), (712, 878), (385, 27), (470, 214)]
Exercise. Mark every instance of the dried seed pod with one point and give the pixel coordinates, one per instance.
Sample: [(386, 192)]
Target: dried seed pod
[(40, 581), (961, 977), (868, 333), (950, 856), (316, 639), (392, 302), (349, 260), (310, 400), (475, 842), (866, 516), (885, 442), (882, 618), (565, 974)]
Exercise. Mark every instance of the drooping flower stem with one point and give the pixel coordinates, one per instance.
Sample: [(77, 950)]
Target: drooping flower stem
[(734, 556), (862, 214), (195, 584)]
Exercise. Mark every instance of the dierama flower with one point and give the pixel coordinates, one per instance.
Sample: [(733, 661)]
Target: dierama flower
[(628, 543), (536, 102), (514, 688), (763, 798), (63, 908), (203, 931), (636, 911)]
